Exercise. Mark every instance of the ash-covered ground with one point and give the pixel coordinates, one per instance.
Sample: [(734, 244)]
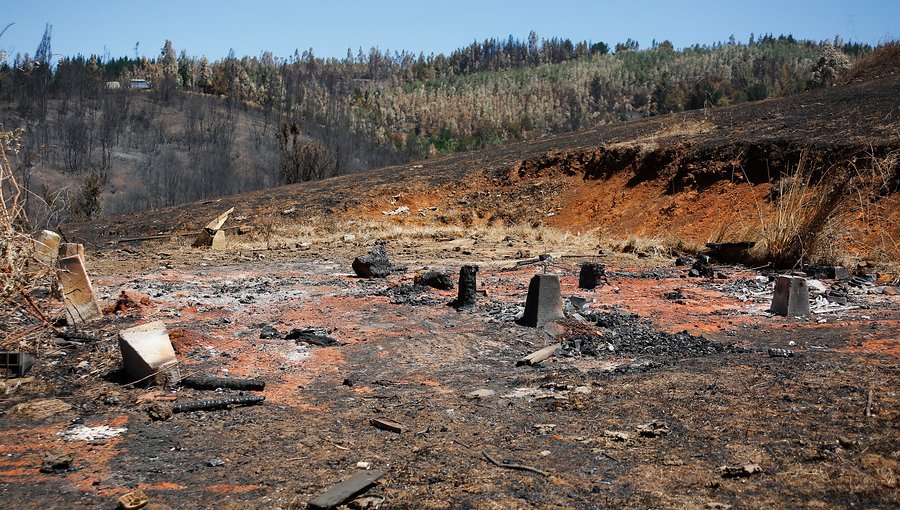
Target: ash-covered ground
[(663, 394)]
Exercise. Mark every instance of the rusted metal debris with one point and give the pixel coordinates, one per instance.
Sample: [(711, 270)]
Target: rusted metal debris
[(345, 490), (222, 403), (212, 383), (134, 500), (19, 363)]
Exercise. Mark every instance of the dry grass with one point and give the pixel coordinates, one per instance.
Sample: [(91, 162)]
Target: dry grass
[(813, 209), (806, 206), (654, 247), (15, 245), (19, 272)]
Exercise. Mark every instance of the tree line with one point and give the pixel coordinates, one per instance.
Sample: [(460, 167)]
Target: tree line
[(315, 117)]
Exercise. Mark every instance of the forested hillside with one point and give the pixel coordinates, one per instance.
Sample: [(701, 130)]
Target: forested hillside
[(205, 129)]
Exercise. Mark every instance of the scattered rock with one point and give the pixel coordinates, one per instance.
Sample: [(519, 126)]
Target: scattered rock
[(702, 267), (159, 412), (81, 432), (9, 386), (544, 428), (37, 409), (652, 429), (373, 265), (56, 461), (134, 500), (617, 435), (482, 393), (740, 471), (400, 210), (129, 301), (269, 332), (215, 462)]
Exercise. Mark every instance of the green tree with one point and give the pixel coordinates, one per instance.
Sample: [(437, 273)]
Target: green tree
[(168, 62)]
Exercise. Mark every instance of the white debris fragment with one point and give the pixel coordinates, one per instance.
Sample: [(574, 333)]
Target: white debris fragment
[(83, 433)]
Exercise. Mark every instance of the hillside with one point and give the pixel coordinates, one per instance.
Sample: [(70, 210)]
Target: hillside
[(681, 179), (93, 147)]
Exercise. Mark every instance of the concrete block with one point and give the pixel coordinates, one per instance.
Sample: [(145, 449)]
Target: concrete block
[(218, 241), (147, 354), (791, 296), (544, 302), (46, 247), (207, 236), (69, 249), (78, 294), (838, 273)]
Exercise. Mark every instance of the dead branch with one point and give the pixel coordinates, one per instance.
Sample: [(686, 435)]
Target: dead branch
[(517, 467)]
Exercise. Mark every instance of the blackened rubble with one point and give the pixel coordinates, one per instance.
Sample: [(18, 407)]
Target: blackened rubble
[(373, 265), (435, 279), (409, 294), (313, 336), (625, 334)]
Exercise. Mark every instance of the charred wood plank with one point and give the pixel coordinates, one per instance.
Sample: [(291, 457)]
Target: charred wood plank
[(212, 383), (345, 490), (222, 403)]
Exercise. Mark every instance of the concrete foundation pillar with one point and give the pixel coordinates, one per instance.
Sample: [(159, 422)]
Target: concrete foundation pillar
[(544, 302), (791, 296)]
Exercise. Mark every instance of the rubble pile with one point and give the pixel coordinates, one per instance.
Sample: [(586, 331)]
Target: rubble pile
[(625, 334)]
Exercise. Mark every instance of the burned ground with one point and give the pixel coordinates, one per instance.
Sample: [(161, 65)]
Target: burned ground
[(703, 402)]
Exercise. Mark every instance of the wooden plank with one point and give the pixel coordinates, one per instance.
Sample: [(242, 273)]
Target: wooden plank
[(389, 425), (538, 356), (345, 490)]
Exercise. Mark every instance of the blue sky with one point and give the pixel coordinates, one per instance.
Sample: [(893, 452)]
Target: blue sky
[(211, 28)]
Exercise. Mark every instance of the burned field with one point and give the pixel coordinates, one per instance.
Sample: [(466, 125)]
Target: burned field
[(663, 393), (315, 349)]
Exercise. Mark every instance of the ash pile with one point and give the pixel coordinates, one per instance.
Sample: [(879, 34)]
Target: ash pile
[(628, 335)]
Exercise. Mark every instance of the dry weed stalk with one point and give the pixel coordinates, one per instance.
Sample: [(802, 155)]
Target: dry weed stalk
[(804, 225), (15, 244), (19, 272)]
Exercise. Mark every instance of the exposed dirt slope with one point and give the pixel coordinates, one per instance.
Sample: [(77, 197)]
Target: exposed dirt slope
[(692, 177)]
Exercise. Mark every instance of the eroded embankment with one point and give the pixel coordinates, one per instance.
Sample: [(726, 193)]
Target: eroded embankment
[(842, 201)]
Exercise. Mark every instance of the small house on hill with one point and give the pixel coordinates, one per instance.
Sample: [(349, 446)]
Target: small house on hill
[(139, 84)]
